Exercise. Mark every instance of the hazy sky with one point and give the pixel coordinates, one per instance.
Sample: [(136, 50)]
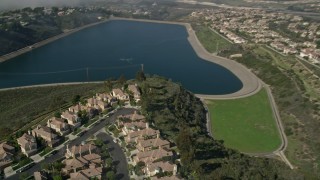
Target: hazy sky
[(9, 4)]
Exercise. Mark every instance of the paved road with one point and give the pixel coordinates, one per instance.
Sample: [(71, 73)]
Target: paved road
[(284, 140), (94, 129), (119, 158)]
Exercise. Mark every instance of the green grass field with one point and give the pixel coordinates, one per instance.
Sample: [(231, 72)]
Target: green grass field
[(211, 40), (245, 124)]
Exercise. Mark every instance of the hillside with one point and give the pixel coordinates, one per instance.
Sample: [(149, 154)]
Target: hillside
[(176, 112), (181, 117)]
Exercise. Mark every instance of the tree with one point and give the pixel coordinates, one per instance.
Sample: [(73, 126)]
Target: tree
[(57, 114), (108, 85), (108, 162), (318, 44), (76, 99), (57, 177), (110, 175), (140, 76), (45, 166), (141, 164), (122, 79)]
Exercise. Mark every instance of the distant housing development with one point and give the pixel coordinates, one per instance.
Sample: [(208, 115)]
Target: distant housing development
[(286, 33)]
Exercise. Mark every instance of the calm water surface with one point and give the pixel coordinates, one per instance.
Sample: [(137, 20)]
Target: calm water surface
[(115, 48)]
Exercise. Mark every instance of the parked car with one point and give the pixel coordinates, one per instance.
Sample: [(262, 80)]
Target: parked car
[(52, 153), (82, 133)]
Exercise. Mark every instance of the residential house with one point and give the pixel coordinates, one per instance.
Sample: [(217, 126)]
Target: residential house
[(72, 165), (72, 119), (305, 52), (134, 126), (148, 144), (119, 94), (76, 108), (59, 125), (150, 156), (47, 134), (288, 50), (278, 46), (28, 144), (104, 97), (6, 155), (147, 133), (136, 92), (97, 104), (152, 169), (40, 175), (81, 162), (133, 117), (91, 173), (80, 150)]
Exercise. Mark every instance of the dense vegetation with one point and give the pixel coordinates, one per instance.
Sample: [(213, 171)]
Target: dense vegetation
[(21, 28), (181, 117)]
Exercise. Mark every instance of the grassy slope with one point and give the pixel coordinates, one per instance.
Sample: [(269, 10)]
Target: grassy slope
[(245, 124), (18, 108), (181, 118), (210, 39), (296, 102)]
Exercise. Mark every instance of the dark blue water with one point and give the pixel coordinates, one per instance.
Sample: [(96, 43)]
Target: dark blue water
[(115, 48)]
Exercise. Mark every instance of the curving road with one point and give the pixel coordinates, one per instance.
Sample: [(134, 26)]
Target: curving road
[(115, 150), (251, 85)]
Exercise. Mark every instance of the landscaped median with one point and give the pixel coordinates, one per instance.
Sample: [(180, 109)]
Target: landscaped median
[(246, 124)]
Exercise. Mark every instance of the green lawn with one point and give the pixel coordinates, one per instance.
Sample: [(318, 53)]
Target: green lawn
[(211, 40), (245, 124)]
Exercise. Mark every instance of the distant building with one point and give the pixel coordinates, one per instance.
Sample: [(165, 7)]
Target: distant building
[(136, 92), (97, 104), (72, 119), (152, 169), (81, 162), (59, 125), (150, 156), (133, 117), (119, 94), (40, 175), (47, 134), (80, 150), (6, 155), (75, 109), (28, 144), (145, 133), (133, 126), (92, 172), (149, 144)]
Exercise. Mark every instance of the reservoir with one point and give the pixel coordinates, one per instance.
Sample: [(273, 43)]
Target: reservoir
[(119, 48)]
